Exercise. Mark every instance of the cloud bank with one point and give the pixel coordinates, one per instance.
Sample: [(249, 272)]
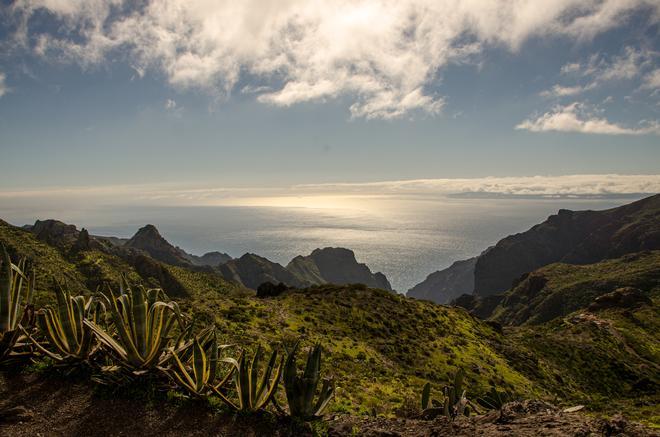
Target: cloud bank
[(385, 56), (315, 195)]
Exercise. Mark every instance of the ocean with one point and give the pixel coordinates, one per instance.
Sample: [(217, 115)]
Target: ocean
[(405, 238)]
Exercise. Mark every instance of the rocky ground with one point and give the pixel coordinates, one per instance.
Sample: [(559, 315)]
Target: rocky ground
[(38, 405)]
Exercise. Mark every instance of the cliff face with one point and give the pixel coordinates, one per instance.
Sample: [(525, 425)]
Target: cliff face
[(336, 265), (559, 289), (573, 237), (149, 240), (446, 285), (252, 270)]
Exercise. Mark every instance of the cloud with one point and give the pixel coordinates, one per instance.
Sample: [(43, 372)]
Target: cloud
[(652, 80), (578, 117), (328, 194), (568, 185), (564, 91), (384, 55), (3, 85), (170, 104)]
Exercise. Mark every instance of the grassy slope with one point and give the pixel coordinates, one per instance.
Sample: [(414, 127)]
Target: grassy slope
[(608, 359), (380, 347), (571, 287)]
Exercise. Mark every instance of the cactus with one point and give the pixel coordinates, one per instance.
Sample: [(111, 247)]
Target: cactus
[(253, 392), (301, 389), (454, 404), (15, 308)]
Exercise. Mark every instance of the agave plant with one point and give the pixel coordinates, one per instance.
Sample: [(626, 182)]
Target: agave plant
[(15, 308), (495, 399), (197, 374), (301, 389), (142, 320), (65, 329), (253, 392)]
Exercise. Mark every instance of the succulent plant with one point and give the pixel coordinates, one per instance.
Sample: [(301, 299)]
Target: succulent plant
[(64, 327), (16, 312), (302, 389), (253, 392), (454, 404), (495, 399), (197, 374), (142, 321)]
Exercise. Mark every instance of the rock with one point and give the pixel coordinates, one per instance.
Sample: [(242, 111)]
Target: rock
[(212, 259), (624, 297), (581, 237), (336, 265), (55, 232), (573, 409), (446, 285), (252, 270), (149, 240)]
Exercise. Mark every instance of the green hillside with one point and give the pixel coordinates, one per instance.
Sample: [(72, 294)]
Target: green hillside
[(382, 347)]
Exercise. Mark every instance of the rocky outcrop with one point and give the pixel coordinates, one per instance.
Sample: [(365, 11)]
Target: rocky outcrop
[(252, 270), (336, 265), (624, 297), (580, 237), (446, 285), (54, 232), (149, 240), (212, 259)]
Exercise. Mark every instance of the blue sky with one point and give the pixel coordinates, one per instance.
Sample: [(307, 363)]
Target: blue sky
[(264, 94)]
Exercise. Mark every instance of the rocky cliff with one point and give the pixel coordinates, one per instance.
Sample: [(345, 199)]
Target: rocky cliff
[(252, 270), (580, 237), (336, 265), (446, 285)]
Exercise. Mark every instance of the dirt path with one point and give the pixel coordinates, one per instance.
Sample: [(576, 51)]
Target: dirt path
[(36, 405)]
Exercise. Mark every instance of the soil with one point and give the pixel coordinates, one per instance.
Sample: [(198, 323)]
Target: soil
[(50, 405)]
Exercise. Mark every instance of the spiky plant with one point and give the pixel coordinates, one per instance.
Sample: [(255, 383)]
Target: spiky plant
[(142, 321), (64, 327), (197, 374), (253, 392), (16, 312), (302, 389), (455, 402), (495, 399)]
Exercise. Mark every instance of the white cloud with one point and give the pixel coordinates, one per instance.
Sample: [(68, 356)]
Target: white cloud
[(567, 185), (3, 85), (170, 104), (652, 80), (383, 54), (577, 117), (564, 91)]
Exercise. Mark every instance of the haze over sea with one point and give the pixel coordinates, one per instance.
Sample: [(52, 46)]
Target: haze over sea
[(405, 238)]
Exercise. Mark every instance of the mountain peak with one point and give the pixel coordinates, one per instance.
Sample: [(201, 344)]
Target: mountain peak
[(148, 239)]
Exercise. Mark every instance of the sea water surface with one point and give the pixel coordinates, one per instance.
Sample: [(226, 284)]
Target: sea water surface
[(405, 238)]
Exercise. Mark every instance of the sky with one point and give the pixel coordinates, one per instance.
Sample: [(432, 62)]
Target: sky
[(268, 102)]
